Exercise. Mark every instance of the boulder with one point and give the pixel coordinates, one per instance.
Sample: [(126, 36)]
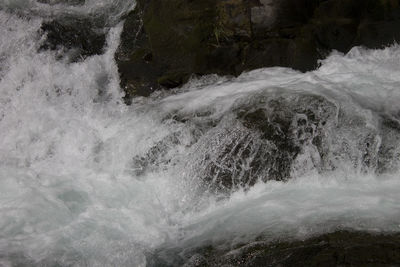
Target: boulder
[(165, 42), (261, 140), (271, 136)]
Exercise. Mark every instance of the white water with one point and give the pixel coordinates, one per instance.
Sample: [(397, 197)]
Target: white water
[(71, 193)]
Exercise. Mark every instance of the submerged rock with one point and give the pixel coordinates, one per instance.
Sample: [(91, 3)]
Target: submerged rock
[(261, 140), (165, 42), (75, 37), (272, 135)]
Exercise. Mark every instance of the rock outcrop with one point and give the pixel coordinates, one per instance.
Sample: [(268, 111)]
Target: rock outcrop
[(164, 42)]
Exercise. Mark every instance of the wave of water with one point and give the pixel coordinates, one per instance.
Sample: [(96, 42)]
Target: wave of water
[(86, 180)]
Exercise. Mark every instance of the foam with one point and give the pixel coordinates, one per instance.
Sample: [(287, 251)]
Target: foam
[(70, 194)]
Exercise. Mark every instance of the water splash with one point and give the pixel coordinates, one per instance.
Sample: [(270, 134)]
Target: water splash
[(86, 180)]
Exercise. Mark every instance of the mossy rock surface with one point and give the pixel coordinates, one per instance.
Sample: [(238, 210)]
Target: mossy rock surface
[(164, 42)]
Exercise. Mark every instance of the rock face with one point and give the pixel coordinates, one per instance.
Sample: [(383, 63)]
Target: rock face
[(164, 42)]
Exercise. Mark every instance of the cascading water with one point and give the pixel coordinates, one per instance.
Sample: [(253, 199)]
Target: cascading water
[(88, 181)]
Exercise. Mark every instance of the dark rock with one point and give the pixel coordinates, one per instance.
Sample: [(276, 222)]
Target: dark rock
[(271, 136), (262, 142), (76, 37), (138, 71), (196, 261), (259, 139), (378, 34), (165, 42), (389, 152), (179, 48), (68, 2), (340, 248)]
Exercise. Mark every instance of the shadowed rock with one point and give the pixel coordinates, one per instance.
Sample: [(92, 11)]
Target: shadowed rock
[(340, 248), (77, 38)]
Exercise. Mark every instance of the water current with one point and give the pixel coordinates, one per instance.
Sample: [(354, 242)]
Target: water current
[(87, 181)]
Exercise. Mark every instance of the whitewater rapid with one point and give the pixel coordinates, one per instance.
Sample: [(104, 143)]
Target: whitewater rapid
[(75, 189)]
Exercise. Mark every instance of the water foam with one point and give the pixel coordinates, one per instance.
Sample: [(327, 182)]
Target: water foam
[(72, 192)]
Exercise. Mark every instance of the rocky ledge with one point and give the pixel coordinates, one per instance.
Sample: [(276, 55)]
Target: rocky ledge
[(164, 42)]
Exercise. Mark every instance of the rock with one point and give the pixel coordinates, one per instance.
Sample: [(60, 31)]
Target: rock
[(262, 141), (75, 37), (196, 261), (68, 2), (165, 42), (271, 136), (342, 248)]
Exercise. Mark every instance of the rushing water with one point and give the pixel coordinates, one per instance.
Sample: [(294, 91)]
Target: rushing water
[(88, 181)]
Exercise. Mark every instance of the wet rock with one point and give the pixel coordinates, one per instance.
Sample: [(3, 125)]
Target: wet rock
[(196, 261), (165, 42), (261, 139), (342, 248), (271, 136), (76, 38), (68, 2), (161, 44), (138, 70), (389, 152), (155, 157)]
